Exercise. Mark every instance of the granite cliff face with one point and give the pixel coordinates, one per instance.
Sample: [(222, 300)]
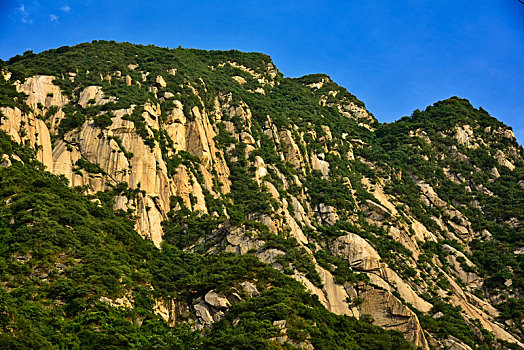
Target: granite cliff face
[(316, 188)]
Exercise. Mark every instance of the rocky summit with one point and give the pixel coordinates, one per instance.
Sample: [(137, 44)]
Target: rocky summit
[(161, 198)]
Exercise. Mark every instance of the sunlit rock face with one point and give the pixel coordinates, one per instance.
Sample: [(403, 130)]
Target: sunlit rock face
[(402, 206)]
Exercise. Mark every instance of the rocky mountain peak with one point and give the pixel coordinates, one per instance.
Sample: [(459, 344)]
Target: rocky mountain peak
[(208, 153)]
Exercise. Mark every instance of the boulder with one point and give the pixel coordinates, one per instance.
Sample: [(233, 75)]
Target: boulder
[(217, 300)]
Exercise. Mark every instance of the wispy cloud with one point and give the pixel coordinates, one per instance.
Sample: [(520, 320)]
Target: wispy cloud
[(65, 9), (24, 15), (53, 17)]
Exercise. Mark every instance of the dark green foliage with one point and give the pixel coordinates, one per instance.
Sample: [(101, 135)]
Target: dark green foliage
[(452, 323), (140, 126), (494, 258), (420, 160), (7, 146), (185, 227), (324, 329), (247, 196), (294, 256), (102, 121), (50, 112), (512, 309), (339, 267), (71, 121), (324, 191), (224, 137), (83, 163), (327, 86), (118, 141), (9, 97), (61, 252)]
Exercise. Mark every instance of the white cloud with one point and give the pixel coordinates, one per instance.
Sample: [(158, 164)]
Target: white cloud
[(65, 8), (24, 15), (53, 17)]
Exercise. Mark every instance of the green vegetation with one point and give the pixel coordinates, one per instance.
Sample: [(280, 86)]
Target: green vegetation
[(62, 253), (103, 121), (333, 332), (9, 97), (512, 309), (85, 164), (329, 85), (396, 148), (450, 322), (339, 267)]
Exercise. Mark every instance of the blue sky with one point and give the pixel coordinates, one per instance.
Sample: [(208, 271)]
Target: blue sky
[(396, 56)]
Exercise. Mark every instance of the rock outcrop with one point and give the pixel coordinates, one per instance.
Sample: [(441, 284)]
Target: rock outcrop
[(389, 312), (290, 188)]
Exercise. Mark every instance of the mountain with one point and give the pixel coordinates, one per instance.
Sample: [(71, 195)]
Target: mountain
[(188, 199)]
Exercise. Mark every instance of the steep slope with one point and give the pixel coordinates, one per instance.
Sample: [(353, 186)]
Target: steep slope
[(210, 152), (76, 275)]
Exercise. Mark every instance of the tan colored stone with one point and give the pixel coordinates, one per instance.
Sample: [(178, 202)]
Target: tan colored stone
[(327, 214), (291, 150), (327, 131), (239, 79), (250, 289), (318, 163), (160, 81), (94, 93), (41, 90), (217, 300), (23, 127), (360, 254), (388, 312), (464, 135), (502, 160), (469, 278)]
